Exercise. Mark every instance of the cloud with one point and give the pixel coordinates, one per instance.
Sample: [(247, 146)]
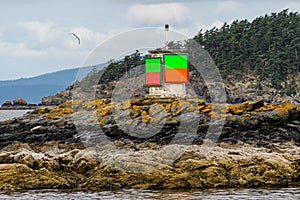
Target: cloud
[(17, 50), (44, 32), (44, 35), (227, 7), (88, 38), (217, 24), (292, 6), (157, 14), (43, 46)]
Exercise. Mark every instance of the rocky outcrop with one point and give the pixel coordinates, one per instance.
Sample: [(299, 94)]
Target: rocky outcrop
[(57, 99), (7, 103), (136, 120), (55, 165), (18, 104), (247, 122), (63, 148), (36, 128)]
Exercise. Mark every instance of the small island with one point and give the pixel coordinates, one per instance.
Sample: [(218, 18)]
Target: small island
[(17, 104), (92, 138)]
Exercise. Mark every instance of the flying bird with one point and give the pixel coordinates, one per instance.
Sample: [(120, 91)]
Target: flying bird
[(76, 36)]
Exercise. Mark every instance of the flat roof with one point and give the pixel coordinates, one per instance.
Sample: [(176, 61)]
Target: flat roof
[(161, 51)]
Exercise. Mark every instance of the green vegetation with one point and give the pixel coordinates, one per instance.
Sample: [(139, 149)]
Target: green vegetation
[(263, 54), (267, 47), (128, 65), (131, 66)]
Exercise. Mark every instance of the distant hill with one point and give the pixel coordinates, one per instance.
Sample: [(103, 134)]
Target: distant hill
[(35, 88)]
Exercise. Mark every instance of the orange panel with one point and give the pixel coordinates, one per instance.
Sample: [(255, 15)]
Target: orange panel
[(176, 75), (153, 78)]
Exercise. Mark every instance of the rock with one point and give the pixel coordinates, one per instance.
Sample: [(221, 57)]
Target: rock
[(57, 99), (35, 128), (248, 122), (20, 102), (7, 103), (106, 167), (20, 176), (258, 146)]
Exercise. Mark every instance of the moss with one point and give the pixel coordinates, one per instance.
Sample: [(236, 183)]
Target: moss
[(102, 121), (214, 115), (168, 108), (7, 122), (59, 112), (105, 111), (94, 104), (178, 112), (127, 105), (216, 176), (236, 109), (144, 113), (134, 107), (67, 104), (206, 109), (282, 111), (20, 176), (146, 120), (136, 114), (288, 106), (247, 115), (175, 103), (42, 111), (267, 107), (200, 107)]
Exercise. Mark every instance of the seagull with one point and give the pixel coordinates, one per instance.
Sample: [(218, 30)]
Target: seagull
[(76, 37)]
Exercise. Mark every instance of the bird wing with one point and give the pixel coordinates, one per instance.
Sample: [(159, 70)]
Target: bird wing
[(76, 36)]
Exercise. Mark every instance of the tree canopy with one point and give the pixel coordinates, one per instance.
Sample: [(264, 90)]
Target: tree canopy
[(269, 46)]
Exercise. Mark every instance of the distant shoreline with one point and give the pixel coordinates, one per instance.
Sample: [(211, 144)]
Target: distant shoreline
[(28, 107)]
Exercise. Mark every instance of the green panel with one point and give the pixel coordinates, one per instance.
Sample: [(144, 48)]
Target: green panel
[(153, 65), (173, 61)]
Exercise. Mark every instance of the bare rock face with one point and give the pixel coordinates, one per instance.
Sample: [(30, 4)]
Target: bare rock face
[(7, 103), (102, 168), (20, 102), (57, 99), (155, 120), (61, 148)]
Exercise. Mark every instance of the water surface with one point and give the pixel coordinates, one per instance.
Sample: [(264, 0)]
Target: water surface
[(9, 114), (226, 194)]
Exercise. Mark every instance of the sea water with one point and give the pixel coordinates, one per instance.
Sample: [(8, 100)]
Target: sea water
[(9, 114), (226, 194)]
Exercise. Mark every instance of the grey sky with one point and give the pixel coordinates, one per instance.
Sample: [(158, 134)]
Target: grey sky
[(34, 34)]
